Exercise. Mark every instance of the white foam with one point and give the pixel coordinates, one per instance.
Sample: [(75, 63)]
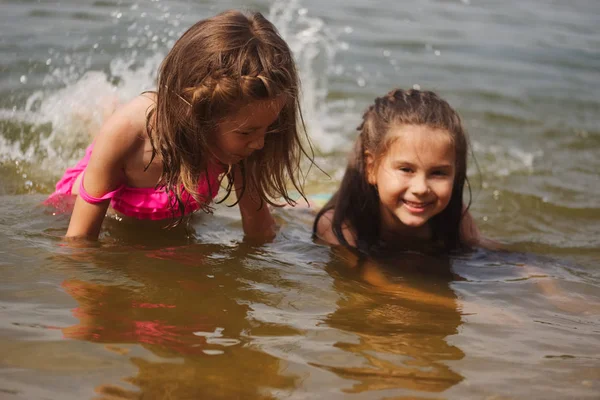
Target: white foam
[(68, 109), (314, 46), (500, 161)]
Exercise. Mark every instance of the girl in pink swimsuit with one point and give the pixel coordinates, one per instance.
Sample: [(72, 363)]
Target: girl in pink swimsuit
[(226, 106)]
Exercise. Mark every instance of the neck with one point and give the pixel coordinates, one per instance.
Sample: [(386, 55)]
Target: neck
[(393, 232), (420, 233)]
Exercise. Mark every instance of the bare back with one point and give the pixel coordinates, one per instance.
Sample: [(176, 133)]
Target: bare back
[(122, 150), (124, 133)]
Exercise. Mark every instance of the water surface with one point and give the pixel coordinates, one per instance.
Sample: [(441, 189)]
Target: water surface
[(202, 313)]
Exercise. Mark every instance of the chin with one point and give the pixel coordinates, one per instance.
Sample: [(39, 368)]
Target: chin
[(413, 222)]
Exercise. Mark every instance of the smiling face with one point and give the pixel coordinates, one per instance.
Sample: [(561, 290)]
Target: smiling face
[(414, 178), (244, 132)]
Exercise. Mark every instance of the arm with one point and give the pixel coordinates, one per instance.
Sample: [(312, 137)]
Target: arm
[(257, 220), (104, 171), (325, 230), (371, 272), (548, 286)]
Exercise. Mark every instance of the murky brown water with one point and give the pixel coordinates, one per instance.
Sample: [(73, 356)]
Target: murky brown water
[(199, 313)]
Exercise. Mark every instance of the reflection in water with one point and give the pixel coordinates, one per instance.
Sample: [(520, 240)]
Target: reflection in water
[(402, 335), (187, 306)]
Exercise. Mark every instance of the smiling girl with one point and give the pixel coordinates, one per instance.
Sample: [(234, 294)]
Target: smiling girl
[(403, 186)]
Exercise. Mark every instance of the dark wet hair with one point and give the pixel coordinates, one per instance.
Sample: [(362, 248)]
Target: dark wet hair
[(356, 203)]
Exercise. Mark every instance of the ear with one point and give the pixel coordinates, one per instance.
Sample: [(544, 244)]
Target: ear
[(370, 168)]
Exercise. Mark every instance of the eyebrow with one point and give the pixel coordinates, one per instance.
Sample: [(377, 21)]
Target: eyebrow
[(247, 128), (407, 163), (443, 166), (253, 128)]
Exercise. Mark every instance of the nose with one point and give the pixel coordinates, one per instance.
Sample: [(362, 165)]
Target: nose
[(257, 143), (419, 185)]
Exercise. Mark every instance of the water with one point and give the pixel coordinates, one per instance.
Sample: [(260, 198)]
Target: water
[(200, 313)]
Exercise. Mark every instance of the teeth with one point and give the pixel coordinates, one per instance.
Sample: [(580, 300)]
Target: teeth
[(416, 205)]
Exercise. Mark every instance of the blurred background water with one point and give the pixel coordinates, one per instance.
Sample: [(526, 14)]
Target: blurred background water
[(204, 314)]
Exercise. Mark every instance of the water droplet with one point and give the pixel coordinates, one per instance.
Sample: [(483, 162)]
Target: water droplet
[(387, 53), (348, 29), (361, 82), (437, 52), (485, 218), (23, 79), (416, 86), (213, 352), (49, 61)]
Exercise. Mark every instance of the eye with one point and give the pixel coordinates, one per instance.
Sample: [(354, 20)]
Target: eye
[(407, 170), (273, 128), (440, 173)]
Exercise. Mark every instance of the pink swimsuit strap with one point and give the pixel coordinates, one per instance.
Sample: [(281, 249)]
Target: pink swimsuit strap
[(154, 203), (95, 200)]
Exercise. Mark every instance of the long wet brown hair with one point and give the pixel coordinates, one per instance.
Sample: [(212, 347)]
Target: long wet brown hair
[(356, 203), (217, 66)]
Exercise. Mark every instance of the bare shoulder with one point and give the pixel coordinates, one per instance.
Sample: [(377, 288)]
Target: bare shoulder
[(125, 130), (324, 230)]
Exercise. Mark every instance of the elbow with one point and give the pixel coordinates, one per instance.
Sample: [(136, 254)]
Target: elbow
[(264, 232)]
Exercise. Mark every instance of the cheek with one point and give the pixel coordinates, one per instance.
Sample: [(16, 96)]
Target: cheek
[(444, 191), (388, 180), (227, 143)]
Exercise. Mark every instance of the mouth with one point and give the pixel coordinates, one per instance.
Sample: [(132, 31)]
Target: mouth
[(242, 156), (417, 207), (237, 158)]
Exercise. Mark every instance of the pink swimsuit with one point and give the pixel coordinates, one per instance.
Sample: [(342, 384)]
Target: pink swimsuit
[(140, 203)]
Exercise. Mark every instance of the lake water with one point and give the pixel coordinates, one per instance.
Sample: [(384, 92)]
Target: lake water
[(202, 314)]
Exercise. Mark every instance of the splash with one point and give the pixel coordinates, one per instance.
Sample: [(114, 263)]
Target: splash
[(502, 162), (50, 131), (314, 46)]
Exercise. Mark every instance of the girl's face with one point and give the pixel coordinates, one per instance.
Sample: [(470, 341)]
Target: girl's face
[(414, 178), (244, 132)]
